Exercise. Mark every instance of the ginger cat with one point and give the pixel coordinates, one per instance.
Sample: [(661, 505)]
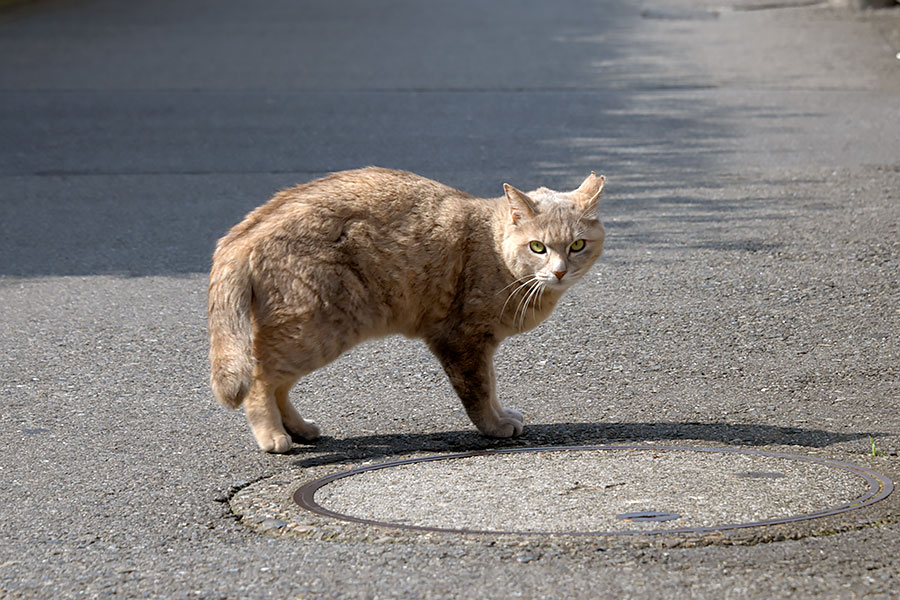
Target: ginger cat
[(367, 253)]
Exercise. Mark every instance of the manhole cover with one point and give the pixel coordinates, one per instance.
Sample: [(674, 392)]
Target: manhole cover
[(594, 490)]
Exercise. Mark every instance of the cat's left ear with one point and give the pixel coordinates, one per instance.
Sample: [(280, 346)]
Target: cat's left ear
[(588, 193), (520, 205)]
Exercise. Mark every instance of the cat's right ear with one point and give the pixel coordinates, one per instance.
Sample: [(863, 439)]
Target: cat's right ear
[(520, 205), (589, 191)]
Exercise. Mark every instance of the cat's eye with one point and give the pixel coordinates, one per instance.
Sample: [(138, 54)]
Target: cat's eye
[(577, 246), (537, 247)]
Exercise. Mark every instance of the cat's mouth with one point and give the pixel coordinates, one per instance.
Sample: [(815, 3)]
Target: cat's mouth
[(553, 282)]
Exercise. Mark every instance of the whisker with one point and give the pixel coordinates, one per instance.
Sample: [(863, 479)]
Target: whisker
[(532, 291), (519, 303), (533, 299), (537, 298), (515, 282), (514, 292), (522, 303)]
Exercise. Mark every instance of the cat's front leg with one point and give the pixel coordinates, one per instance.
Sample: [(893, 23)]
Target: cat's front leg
[(470, 368), (513, 414)]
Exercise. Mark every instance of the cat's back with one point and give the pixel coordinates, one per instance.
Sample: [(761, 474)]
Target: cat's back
[(375, 189), (381, 198), (387, 240)]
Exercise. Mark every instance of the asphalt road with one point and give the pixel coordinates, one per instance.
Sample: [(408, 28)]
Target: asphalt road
[(749, 295)]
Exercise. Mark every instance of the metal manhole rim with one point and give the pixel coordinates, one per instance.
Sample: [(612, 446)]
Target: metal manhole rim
[(880, 487)]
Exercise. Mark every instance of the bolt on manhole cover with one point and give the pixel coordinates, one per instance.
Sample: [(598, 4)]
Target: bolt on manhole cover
[(594, 490)]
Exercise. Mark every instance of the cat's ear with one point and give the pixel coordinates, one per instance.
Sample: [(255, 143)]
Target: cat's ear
[(520, 205), (588, 193)]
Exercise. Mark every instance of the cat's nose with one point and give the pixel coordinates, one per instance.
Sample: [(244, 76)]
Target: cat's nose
[(559, 274)]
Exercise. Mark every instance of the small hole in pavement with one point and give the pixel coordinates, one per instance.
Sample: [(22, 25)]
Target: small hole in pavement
[(648, 516)]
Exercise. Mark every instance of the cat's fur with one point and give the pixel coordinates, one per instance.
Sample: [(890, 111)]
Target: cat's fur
[(367, 253)]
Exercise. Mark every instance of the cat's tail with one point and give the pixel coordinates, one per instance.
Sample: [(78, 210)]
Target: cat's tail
[(230, 342)]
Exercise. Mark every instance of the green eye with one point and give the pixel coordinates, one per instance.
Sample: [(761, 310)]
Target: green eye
[(577, 246), (537, 247)]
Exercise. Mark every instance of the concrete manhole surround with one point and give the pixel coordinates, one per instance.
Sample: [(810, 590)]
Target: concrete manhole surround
[(594, 491)]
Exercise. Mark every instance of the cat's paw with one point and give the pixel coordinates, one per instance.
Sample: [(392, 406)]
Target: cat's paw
[(277, 442), (513, 414), (304, 430), (509, 425)]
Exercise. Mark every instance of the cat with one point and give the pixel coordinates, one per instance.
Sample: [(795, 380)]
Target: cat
[(372, 252)]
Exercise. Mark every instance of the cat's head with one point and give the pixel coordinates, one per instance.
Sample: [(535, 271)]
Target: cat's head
[(553, 237)]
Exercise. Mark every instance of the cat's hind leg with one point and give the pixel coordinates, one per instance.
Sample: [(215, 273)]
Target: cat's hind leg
[(296, 425), (264, 416)]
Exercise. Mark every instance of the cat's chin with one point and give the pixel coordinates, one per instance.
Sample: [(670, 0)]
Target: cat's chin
[(557, 285)]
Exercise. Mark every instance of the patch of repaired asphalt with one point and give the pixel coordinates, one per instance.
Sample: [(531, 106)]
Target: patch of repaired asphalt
[(560, 492)]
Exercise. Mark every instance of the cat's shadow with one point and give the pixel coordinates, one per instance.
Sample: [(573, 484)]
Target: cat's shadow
[(329, 450)]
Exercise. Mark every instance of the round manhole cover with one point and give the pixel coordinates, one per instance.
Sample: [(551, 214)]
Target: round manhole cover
[(594, 490)]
